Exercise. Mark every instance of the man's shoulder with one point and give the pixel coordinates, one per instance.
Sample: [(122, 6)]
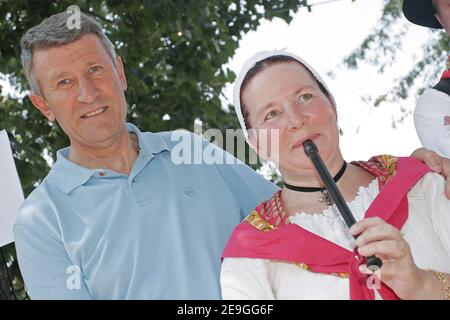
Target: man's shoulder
[(164, 135), (189, 147), (169, 139), (37, 206)]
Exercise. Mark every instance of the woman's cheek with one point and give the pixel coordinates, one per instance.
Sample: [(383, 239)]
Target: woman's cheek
[(268, 141), (276, 141)]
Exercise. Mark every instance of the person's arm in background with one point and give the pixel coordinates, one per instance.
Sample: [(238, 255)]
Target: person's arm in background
[(436, 163), (429, 118)]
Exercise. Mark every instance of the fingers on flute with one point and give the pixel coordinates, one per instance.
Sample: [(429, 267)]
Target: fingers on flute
[(363, 225), (382, 231), (387, 271), (391, 248), (365, 270)]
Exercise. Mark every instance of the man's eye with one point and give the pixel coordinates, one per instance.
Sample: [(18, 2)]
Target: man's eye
[(305, 97), (272, 114), (64, 83), (95, 69)]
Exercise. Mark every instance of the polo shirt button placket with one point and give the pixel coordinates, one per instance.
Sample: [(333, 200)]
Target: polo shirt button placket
[(132, 188)]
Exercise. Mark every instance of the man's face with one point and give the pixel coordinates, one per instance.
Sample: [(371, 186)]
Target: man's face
[(83, 90), (443, 15)]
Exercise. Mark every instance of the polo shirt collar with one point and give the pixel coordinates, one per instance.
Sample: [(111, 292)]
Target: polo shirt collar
[(68, 175)]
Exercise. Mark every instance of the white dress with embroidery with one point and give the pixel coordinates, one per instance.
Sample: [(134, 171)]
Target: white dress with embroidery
[(427, 231)]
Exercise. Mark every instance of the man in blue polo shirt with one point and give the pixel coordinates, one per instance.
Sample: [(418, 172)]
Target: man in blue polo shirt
[(117, 217)]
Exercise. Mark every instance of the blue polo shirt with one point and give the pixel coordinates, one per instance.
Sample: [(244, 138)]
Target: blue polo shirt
[(155, 234)]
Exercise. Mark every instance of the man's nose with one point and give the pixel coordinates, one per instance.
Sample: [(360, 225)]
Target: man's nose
[(87, 91)]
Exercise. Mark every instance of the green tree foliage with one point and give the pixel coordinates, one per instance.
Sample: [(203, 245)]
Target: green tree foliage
[(173, 52), (382, 46)]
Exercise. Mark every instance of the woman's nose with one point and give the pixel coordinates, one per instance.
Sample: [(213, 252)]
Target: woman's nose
[(295, 118)]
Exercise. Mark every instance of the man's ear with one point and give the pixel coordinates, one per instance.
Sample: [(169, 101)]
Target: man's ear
[(39, 102), (121, 72)]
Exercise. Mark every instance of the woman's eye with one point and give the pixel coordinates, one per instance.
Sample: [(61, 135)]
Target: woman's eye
[(64, 83), (272, 114), (305, 97)]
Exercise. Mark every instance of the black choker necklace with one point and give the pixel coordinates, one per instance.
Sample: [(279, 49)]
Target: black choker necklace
[(325, 196)]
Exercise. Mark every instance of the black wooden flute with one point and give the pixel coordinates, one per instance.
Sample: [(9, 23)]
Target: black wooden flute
[(373, 263)]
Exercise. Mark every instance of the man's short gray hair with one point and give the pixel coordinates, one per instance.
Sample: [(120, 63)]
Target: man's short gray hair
[(54, 32)]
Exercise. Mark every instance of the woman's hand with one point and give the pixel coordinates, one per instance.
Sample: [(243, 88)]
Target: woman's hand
[(436, 163), (399, 272)]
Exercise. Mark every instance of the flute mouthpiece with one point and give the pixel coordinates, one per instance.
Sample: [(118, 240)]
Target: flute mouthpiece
[(309, 147)]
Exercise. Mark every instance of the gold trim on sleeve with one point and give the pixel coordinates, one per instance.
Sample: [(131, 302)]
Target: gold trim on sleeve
[(255, 219)]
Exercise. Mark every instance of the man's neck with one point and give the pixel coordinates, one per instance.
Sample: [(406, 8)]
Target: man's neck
[(119, 156)]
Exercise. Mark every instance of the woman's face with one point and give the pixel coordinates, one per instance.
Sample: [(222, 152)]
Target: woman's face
[(285, 107)]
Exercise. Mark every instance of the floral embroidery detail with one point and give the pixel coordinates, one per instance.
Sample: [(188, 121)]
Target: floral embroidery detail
[(303, 266), (384, 167)]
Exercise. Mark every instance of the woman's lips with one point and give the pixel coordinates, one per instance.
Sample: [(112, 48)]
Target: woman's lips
[(299, 143)]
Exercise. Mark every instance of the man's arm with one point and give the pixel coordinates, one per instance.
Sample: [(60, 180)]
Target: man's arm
[(47, 270)]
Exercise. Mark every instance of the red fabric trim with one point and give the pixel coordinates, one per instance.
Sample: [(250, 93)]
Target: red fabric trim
[(446, 75)]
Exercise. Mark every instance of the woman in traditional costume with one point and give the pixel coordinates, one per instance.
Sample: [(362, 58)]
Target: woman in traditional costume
[(296, 244)]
